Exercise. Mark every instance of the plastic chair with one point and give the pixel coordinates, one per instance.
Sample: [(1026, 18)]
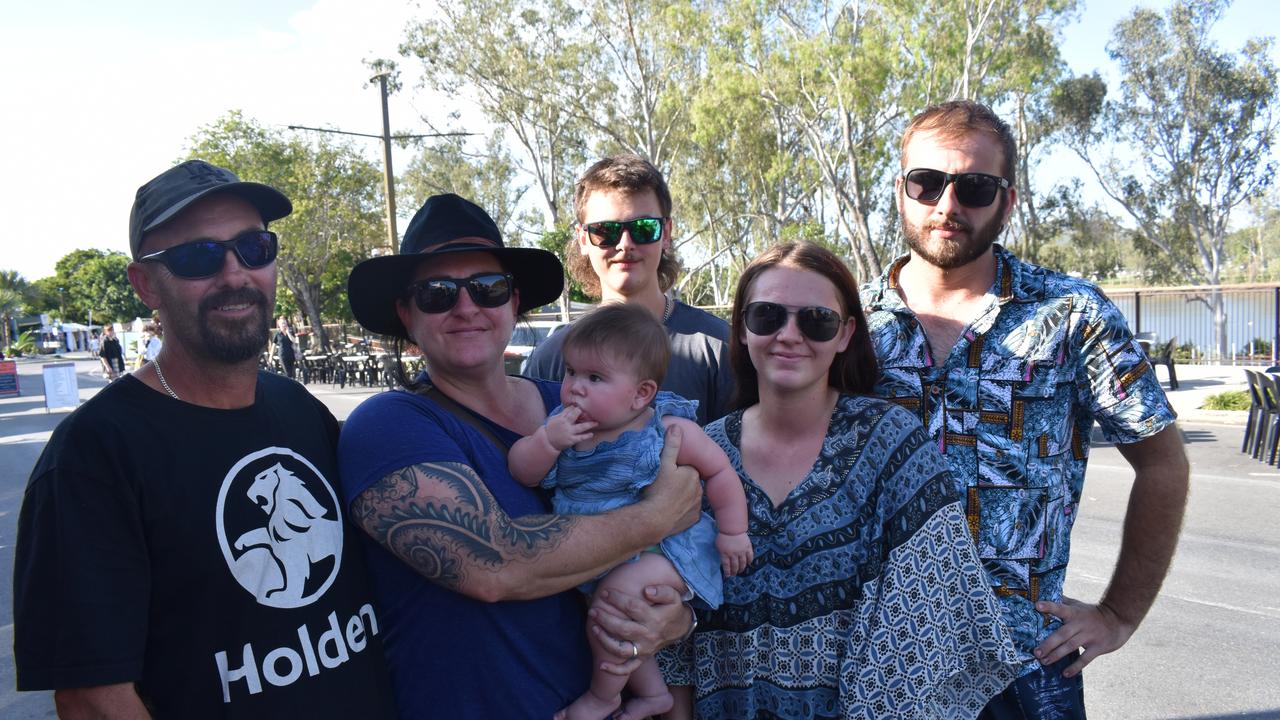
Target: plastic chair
[(1164, 356), (1264, 445), (1256, 410)]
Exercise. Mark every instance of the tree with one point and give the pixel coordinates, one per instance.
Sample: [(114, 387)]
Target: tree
[(486, 177), (93, 284), (1196, 125), (337, 214), (15, 293), (511, 57)]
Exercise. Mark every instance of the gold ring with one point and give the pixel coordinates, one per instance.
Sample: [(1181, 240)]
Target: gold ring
[(635, 651)]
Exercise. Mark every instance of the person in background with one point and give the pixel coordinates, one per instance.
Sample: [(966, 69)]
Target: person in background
[(621, 251), (111, 353), (154, 343), (181, 551), (284, 344), (1008, 365)]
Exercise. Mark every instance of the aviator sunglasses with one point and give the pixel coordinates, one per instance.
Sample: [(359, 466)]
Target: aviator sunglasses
[(607, 233), (973, 190), (818, 323), (204, 258), (437, 295)]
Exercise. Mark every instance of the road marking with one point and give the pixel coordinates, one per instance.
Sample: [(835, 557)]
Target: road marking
[(26, 438), (1198, 475), (1265, 611)]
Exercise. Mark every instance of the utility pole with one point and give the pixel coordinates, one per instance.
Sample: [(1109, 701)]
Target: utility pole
[(393, 237)]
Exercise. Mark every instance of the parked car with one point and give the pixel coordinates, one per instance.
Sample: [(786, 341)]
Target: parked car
[(528, 335)]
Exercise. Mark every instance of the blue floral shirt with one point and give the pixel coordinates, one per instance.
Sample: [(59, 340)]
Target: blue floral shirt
[(1012, 409)]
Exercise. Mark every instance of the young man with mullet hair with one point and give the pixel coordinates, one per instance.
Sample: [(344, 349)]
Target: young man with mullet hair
[(181, 549), (621, 251), (1008, 365)]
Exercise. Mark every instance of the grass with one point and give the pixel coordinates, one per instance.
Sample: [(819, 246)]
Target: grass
[(1229, 400)]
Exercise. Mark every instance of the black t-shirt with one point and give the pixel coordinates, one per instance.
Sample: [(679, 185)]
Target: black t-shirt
[(200, 553), (285, 344), (110, 348)]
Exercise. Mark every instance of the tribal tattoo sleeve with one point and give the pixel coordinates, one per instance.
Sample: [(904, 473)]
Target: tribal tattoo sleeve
[(441, 520)]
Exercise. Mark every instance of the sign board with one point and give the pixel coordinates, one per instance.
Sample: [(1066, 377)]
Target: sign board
[(8, 378), (60, 388)]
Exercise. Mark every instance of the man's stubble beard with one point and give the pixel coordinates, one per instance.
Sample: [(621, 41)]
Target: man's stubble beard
[(952, 254), (228, 343)]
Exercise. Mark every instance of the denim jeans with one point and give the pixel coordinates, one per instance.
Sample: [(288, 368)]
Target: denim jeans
[(1040, 695)]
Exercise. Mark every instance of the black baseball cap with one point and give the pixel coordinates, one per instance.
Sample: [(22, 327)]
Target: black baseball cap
[(165, 195)]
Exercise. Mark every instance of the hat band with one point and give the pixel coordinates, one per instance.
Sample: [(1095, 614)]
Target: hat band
[(476, 242)]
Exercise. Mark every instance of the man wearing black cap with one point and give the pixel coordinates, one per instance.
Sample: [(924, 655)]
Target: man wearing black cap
[(181, 549)]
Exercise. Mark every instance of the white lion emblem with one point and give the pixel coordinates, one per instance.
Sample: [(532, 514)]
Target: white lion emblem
[(278, 557)]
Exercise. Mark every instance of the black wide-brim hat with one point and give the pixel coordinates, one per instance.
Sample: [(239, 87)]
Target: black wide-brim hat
[(446, 224)]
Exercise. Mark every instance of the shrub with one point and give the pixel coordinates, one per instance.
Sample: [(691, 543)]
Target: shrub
[(1229, 400)]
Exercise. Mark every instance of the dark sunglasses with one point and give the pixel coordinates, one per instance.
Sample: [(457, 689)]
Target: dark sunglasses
[(818, 323), (608, 233), (973, 190), (437, 295), (204, 258)]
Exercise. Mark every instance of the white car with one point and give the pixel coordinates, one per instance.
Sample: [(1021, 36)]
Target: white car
[(528, 335)]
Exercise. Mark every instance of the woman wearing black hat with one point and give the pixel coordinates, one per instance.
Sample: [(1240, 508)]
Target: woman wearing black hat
[(473, 574)]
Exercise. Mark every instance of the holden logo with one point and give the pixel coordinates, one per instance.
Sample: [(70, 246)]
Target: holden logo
[(280, 528)]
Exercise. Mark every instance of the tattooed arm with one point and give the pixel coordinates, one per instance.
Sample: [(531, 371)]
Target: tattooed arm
[(441, 520)]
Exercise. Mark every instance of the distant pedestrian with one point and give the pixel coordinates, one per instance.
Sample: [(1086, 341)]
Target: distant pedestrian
[(111, 354), (284, 346)]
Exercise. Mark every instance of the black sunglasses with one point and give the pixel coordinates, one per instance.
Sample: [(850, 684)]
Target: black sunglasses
[(973, 190), (818, 323), (608, 233), (437, 295), (204, 258)]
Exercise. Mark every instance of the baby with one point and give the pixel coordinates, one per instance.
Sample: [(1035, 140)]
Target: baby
[(601, 447)]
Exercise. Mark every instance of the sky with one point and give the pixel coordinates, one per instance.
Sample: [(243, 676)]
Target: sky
[(98, 97)]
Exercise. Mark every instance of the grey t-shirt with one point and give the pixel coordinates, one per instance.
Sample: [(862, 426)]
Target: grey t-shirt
[(699, 368)]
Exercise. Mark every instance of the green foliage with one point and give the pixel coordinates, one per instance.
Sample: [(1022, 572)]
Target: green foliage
[(1229, 400), (486, 177), (337, 218), (24, 344), (1194, 127), (88, 282)]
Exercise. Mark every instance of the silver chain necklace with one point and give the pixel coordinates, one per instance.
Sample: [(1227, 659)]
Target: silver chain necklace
[(164, 383)]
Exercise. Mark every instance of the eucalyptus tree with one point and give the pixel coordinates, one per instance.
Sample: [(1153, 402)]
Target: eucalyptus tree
[(512, 58), (1187, 140), (337, 217)]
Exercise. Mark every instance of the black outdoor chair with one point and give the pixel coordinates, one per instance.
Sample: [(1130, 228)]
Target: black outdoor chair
[(1264, 444), (1252, 426), (1164, 356)]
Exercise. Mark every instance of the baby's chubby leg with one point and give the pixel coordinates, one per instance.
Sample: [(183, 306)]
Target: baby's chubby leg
[(650, 694)]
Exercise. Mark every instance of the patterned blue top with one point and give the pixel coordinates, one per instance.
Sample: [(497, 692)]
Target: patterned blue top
[(865, 598), (613, 473), (1012, 408)]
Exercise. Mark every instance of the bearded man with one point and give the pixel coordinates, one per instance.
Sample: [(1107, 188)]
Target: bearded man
[(1008, 365)]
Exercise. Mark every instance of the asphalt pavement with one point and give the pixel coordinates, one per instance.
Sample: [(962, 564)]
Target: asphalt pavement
[(1203, 653)]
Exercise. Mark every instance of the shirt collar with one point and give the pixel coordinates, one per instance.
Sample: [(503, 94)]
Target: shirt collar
[(1015, 280)]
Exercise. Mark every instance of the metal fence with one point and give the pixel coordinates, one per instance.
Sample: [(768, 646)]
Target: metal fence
[(1250, 321)]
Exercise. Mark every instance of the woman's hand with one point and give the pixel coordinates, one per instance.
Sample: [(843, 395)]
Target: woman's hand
[(621, 622)]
